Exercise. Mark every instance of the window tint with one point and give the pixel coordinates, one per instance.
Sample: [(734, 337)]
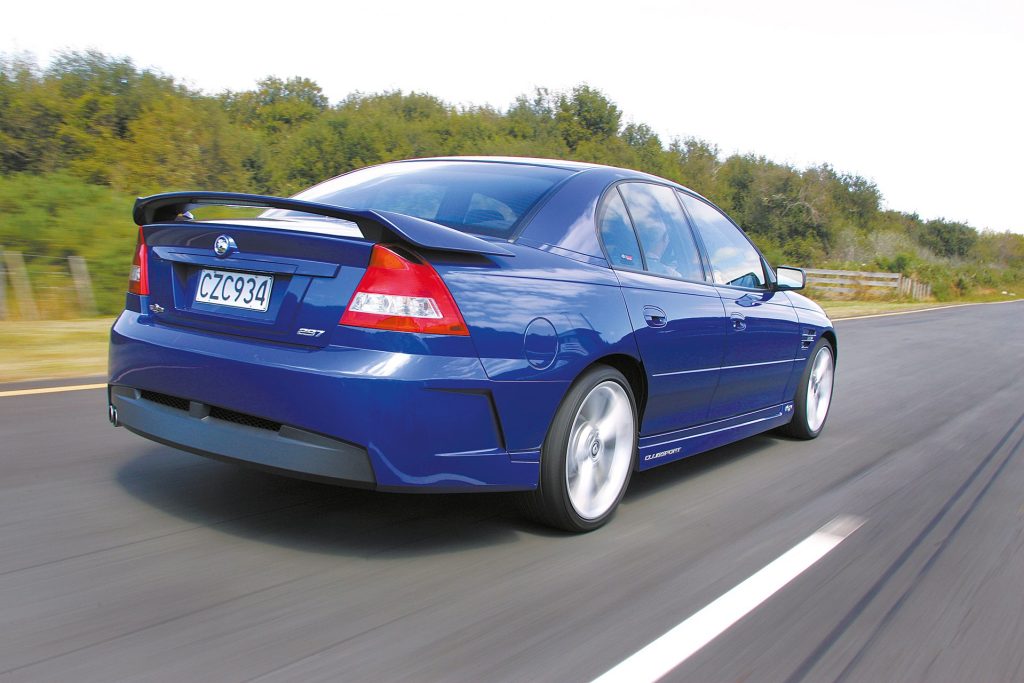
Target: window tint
[(617, 233), (488, 212), (414, 199), (476, 197), (668, 245), (734, 261)]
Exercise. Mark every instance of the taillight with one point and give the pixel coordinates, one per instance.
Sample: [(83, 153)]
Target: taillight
[(400, 292), (138, 276)]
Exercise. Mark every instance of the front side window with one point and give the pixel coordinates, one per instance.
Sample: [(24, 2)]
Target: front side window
[(734, 260)]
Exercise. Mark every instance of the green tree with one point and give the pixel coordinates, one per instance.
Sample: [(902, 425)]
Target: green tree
[(276, 105), (180, 143), (694, 163), (586, 114), (947, 238), (100, 98)]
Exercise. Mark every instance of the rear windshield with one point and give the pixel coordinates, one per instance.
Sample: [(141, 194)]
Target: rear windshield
[(477, 197)]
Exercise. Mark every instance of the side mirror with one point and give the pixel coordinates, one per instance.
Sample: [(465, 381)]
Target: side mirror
[(790, 278)]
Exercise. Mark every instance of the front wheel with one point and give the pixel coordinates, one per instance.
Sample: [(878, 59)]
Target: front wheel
[(814, 395), (588, 455)]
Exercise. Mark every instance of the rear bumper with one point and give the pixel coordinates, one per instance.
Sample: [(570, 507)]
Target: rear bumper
[(285, 450), (357, 416)]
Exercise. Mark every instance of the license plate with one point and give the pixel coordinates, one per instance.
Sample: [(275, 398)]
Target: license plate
[(231, 288)]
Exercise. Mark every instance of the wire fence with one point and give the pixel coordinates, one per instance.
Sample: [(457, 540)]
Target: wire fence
[(42, 287)]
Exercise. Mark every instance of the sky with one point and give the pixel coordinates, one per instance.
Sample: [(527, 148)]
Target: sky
[(924, 98)]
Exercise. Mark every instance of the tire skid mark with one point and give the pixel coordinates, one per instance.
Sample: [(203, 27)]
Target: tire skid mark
[(858, 609), (880, 627)]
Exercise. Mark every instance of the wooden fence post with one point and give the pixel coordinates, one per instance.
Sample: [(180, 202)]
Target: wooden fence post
[(22, 288), (3, 289), (83, 285)]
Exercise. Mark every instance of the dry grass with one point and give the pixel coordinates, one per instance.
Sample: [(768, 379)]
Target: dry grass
[(53, 348), (850, 309)]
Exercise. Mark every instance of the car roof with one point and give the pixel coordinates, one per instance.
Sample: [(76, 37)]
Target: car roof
[(577, 166), (522, 161)]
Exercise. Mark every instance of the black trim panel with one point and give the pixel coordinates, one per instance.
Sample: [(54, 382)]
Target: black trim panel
[(287, 450)]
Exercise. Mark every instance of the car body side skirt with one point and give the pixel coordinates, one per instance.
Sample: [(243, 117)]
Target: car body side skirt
[(659, 449)]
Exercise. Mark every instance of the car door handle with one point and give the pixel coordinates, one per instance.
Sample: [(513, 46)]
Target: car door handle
[(739, 321), (655, 317)]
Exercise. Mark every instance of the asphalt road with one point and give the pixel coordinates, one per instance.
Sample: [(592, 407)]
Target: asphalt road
[(124, 560)]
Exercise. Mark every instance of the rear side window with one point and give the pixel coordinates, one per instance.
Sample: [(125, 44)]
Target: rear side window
[(617, 233), (475, 197), (734, 260), (664, 233)]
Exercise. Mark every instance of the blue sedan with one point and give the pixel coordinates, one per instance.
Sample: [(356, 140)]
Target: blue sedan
[(465, 324)]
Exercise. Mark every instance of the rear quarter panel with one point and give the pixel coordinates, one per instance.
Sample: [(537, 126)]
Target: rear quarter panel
[(537, 321)]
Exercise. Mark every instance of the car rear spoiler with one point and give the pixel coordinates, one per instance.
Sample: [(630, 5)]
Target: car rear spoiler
[(375, 225)]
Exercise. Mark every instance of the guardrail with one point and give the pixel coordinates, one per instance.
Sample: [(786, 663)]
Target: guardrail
[(857, 282)]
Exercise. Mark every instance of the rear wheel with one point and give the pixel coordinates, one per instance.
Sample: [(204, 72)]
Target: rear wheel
[(813, 398), (588, 455)]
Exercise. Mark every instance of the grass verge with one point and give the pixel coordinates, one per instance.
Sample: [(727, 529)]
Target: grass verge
[(53, 348), (851, 309)]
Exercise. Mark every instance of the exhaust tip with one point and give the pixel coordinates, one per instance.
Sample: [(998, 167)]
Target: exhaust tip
[(112, 415)]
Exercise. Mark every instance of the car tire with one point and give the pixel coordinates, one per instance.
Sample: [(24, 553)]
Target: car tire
[(814, 393), (588, 455)]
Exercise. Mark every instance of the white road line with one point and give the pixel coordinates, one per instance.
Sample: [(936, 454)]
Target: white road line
[(925, 310), (676, 646), (51, 390)]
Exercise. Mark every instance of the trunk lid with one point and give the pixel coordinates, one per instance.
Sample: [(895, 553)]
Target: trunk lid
[(285, 281)]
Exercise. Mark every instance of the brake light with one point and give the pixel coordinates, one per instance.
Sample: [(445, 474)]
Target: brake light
[(138, 276), (400, 292)]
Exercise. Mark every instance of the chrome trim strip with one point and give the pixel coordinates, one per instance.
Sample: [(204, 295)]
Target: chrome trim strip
[(684, 372), (727, 367)]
